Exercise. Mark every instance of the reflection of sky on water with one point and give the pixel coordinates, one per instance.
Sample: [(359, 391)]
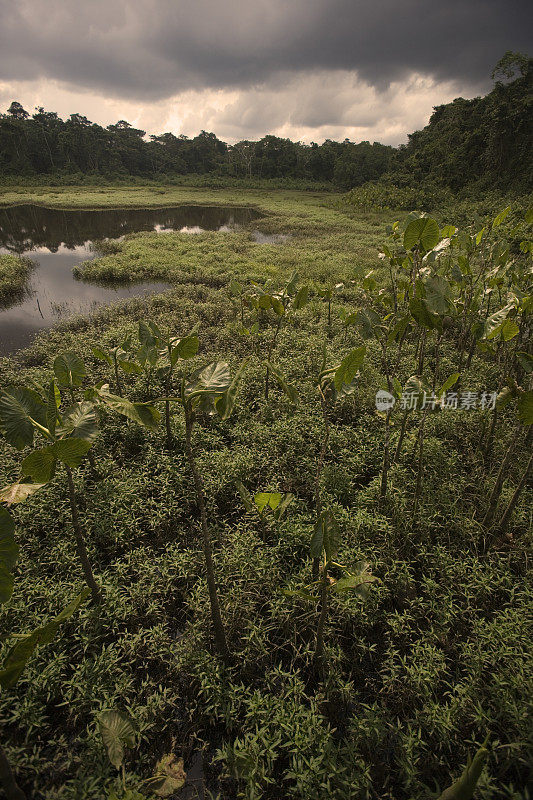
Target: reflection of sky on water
[(53, 294), (58, 240)]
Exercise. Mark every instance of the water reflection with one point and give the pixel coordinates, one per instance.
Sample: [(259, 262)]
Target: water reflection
[(53, 295), (24, 228), (59, 240)]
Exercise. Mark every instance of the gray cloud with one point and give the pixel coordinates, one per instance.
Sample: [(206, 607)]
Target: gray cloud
[(157, 48), (308, 69)]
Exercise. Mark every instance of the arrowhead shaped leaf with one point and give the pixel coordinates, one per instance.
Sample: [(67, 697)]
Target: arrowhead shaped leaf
[(226, 403), (6, 582), (146, 337), (526, 361), (326, 536), (415, 387), (69, 369), (142, 413), (264, 301), (117, 733), (293, 282), (188, 347), (465, 786), (505, 396), (79, 420), (367, 320), (130, 367), (349, 367), (277, 305), (18, 407), (300, 593), (287, 388), (358, 581), (40, 466), (101, 355), (420, 311), (508, 330), (213, 379), (501, 217), (71, 451), (264, 499), (495, 321), (301, 298), (439, 296), (52, 406), (448, 383), (283, 506), (246, 497), (423, 232)]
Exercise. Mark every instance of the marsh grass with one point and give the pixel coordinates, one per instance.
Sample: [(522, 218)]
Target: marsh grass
[(14, 274), (438, 656)]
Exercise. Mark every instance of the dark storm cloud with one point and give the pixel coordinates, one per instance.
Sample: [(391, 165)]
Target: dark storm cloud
[(157, 48)]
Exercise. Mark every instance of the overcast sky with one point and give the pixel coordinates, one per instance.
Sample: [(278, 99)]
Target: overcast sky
[(306, 69)]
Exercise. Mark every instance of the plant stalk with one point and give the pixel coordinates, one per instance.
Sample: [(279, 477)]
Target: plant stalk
[(319, 468), (516, 494), (401, 437), (500, 478), (220, 634), (385, 468), (418, 489), (319, 649), (80, 543), (269, 356), (120, 391)]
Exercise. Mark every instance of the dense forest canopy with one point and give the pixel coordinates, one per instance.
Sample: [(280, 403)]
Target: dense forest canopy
[(486, 140)]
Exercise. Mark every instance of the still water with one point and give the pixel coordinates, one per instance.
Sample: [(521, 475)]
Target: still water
[(56, 241)]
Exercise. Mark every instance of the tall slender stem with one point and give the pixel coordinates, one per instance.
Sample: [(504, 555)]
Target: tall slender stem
[(80, 543), (269, 355), (168, 389), (220, 634), (490, 436), (385, 468), (422, 353), (516, 494), (319, 648), (117, 376), (418, 490), (319, 468), (401, 437), (500, 478), (437, 361)]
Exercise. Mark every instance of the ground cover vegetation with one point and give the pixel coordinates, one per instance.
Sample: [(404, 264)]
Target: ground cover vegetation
[(14, 273), (483, 143), (290, 593)]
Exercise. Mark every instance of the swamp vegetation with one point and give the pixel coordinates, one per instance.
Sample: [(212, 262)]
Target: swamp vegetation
[(14, 272), (290, 593)]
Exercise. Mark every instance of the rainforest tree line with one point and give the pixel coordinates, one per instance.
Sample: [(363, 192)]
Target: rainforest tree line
[(485, 141)]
